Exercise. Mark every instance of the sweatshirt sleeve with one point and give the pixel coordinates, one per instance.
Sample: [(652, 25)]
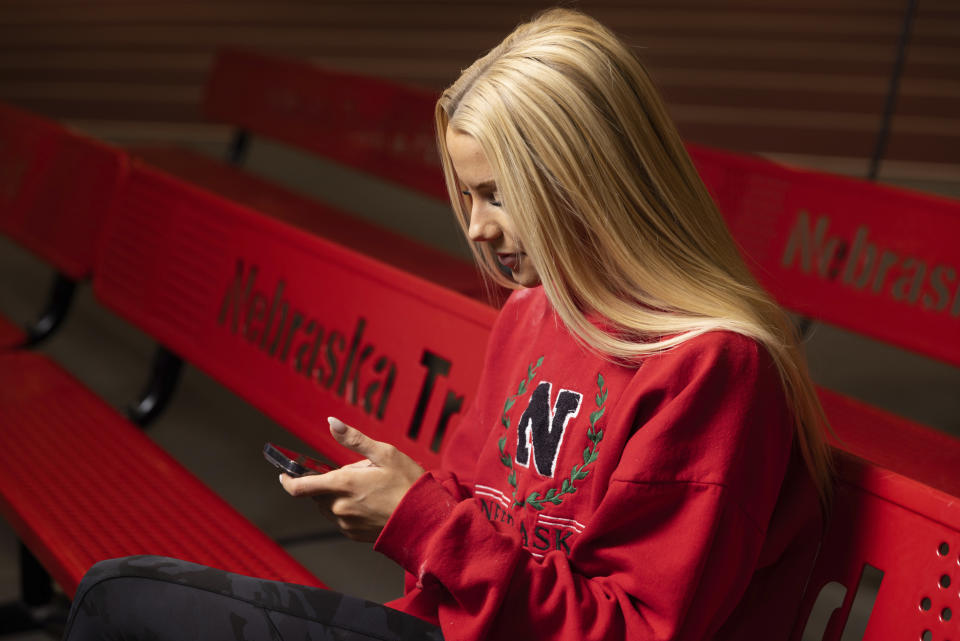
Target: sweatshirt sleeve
[(669, 550)]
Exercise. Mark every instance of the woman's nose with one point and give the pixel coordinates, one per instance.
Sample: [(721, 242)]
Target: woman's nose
[(482, 228)]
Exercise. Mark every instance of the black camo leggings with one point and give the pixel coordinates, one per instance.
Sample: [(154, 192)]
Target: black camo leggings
[(161, 599)]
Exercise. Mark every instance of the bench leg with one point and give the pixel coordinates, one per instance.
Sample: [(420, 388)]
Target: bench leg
[(61, 295), (239, 144), (36, 586), (164, 375), (36, 592)]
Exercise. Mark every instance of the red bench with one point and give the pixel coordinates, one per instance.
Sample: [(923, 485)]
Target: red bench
[(55, 187), (380, 128), (40, 395), (885, 263), (846, 251), (64, 486), (300, 327)]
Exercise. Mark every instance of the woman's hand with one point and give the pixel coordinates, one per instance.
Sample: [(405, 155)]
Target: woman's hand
[(359, 497)]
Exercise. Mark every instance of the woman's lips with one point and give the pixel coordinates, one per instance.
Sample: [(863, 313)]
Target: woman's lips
[(510, 261)]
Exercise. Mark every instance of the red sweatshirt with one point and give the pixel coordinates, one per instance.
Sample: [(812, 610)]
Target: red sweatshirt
[(581, 499)]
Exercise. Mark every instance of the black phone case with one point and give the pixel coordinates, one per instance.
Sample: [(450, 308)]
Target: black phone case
[(282, 462)]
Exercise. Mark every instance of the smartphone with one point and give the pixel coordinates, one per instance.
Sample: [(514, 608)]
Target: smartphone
[(294, 463)]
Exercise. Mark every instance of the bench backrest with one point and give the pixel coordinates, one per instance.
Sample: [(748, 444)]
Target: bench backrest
[(889, 565), (55, 188), (881, 261), (380, 127), (298, 326), (27, 146)]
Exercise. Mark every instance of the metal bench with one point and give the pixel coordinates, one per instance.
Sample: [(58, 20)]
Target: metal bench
[(296, 325), (882, 262), (79, 483)]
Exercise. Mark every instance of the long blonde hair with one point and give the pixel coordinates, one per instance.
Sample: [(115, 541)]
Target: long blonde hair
[(609, 207)]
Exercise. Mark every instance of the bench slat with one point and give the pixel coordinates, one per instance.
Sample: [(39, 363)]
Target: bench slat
[(892, 442), (81, 484)]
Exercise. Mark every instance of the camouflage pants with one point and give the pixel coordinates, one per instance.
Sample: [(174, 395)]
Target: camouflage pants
[(159, 599)]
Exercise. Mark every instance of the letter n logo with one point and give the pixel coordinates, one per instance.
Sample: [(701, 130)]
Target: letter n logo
[(541, 427)]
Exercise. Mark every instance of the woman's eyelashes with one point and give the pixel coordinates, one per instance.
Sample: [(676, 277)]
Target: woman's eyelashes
[(492, 198)]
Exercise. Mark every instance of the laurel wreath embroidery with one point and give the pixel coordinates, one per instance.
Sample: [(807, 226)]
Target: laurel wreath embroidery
[(506, 458), (578, 472)]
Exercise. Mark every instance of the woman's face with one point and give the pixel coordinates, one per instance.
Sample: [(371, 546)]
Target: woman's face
[(489, 223)]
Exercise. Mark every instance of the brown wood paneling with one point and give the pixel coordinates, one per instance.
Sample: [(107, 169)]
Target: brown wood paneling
[(780, 76)]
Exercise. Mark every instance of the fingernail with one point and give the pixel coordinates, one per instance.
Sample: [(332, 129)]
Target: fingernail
[(336, 425), (280, 478)]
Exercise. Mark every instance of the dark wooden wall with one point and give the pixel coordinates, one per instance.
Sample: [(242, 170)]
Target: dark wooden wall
[(782, 76)]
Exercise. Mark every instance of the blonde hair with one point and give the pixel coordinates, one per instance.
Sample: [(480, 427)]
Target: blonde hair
[(609, 207)]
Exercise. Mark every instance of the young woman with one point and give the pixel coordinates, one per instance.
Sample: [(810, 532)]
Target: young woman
[(644, 457)]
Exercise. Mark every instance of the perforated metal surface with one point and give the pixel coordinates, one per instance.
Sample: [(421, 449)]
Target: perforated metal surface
[(941, 600), (80, 484)]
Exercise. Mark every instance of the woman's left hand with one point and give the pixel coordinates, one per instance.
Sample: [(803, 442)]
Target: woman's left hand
[(359, 497)]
